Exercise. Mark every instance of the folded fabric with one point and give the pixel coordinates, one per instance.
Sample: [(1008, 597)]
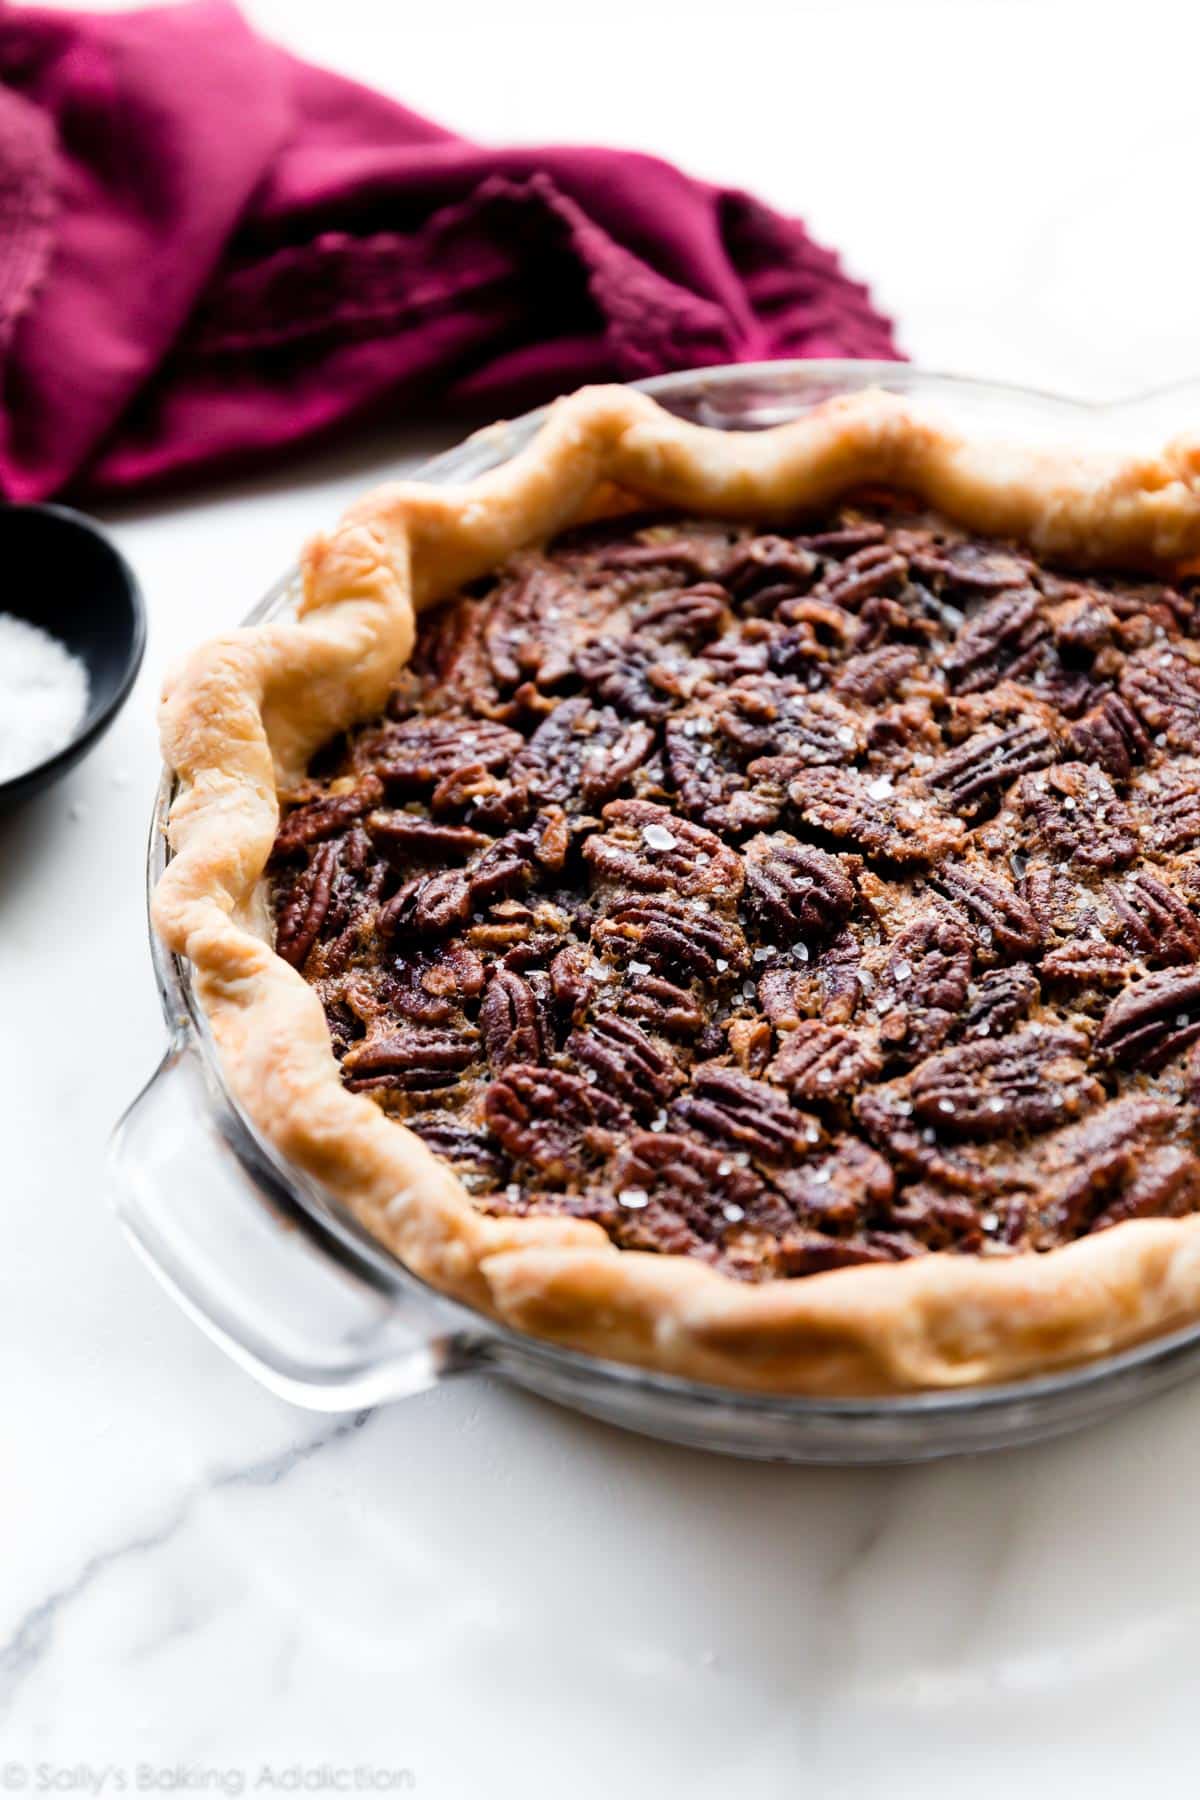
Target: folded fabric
[(211, 252)]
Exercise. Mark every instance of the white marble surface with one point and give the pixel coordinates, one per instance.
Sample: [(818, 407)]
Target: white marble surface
[(472, 1586)]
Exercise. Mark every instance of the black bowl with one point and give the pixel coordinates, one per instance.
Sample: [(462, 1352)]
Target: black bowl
[(62, 573)]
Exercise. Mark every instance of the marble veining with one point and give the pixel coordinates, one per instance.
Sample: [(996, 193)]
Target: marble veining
[(34, 1633)]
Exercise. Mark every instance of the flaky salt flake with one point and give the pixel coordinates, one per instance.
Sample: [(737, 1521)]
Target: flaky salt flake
[(657, 837), (722, 965), (639, 968), (800, 951), (634, 1198), (845, 737), (879, 790), (734, 1213)]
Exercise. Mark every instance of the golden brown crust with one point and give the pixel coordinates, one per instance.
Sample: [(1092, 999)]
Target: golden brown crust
[(245, 712)]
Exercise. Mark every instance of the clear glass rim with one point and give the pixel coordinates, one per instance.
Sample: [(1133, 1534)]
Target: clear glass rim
[(336, 1226)]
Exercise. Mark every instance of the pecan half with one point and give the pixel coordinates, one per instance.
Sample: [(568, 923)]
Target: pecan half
[(552, 1119), (1110, 736), (428, 905), (877, 674), (1163, 688), (428, 987), (404, 837), (625, 1062), (825, 1062), (763, 572), (875, 569), (302, 908), (1116, 1166), (1077, 815), (662, 1006), (475, 1156), (979, 770), (1001, 998), (1086, 963), (691, 556), (580, 752), (690, 615), (970, 569), (745, 1115), (828, 985), (1158, 924), (530, 628), (886, 1114), (419, 752), (572, 980), (1152, 1021), (794, 890), (998, 640), (647, 846), (513, 1021), (639, 676), (992, 911), (711, 786), (1026, 1082), (766, 717), (1173, 803), (928, 970), (325, 817), (675, 1193), (412, 1061), (668, 935), (872, 816)]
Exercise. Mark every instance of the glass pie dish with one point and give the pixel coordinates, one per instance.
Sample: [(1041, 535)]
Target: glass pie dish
[(285, 1279)]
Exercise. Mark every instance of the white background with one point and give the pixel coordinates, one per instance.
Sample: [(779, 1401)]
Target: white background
[(473, 1586)]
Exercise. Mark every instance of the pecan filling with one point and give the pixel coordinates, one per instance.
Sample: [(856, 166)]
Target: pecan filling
[(786, 898)]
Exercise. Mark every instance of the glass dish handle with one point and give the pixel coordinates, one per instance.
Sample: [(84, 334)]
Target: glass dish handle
[(221, 1236)]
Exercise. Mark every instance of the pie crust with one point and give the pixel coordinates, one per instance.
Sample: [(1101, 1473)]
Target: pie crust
[(244, 713)]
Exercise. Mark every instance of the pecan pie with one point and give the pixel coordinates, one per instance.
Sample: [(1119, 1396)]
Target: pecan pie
[(749, 924)]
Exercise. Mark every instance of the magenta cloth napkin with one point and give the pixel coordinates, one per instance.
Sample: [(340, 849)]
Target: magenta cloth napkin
[(211, 252)]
